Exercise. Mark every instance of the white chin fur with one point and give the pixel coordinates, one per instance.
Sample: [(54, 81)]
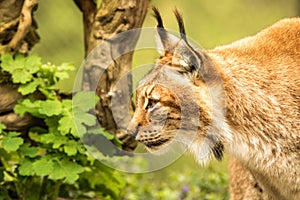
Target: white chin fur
[(201, 151)]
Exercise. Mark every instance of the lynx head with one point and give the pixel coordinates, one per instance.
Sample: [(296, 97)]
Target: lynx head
[(174, 103)]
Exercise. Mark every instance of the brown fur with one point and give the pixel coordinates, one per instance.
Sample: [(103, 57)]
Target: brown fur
[(263, 106), (256, 81)]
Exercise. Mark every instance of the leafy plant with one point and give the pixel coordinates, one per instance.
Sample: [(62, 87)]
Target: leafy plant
[(51, 160)]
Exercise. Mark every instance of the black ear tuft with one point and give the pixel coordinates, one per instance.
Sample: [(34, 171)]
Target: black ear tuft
[(180, 24), (165, 41), (157, 16)]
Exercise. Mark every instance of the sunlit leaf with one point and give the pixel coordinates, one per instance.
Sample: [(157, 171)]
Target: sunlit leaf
[(29, 87), (84, 101), (21, 76), (67, 125), (43, 166), (70, 148), (26, 168), (11, 141), (66, 169), (50, 107), (7, 62), (33, 63)]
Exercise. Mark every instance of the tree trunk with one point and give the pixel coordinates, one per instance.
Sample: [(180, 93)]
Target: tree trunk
[(113, 17)]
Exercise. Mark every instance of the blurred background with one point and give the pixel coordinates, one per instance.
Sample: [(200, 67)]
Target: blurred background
[(210, 23)]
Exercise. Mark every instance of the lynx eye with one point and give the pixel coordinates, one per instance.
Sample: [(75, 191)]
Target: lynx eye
[(151, 103)]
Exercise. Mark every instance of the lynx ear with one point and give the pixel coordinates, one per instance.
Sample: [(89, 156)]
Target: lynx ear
[(186, 57), (165, 41), (183, 54)]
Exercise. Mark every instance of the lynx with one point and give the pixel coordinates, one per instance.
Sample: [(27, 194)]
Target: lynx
[(242, 99)]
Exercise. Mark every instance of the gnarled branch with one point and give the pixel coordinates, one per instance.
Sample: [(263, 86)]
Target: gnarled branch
[(17, 27)]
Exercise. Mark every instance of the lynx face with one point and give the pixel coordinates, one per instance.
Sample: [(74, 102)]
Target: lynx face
[(173, 100), (167, 110), (157, 116)]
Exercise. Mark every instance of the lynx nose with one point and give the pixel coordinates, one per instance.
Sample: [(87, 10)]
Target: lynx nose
[(133, 130)]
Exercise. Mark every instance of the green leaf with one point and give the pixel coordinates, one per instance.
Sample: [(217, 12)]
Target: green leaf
[(47, 138), (52, 123), (71, 148), (50, 107), (7, 62), (43, 166), (13, 134), (2, 127), (26, 150), (49, 94), (21, 76), (35, 136), (11, 141), (56, 139), (27, 105), (101, 175), (21, 68), (66, 169), (108, 135), (84, 101), (83, 119), (29, 87), (66, 125), (32, 63), (67, 104), (25, 167), (66, 122)]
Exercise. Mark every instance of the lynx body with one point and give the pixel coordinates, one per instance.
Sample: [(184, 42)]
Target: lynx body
[(246, 97)]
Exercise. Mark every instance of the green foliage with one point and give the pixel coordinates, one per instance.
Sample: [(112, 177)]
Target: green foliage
[(186, 181), (32, 75), (52, 159)]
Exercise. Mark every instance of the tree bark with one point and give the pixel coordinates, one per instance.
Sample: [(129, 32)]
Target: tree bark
[(17, 26), (88, 9), (113, 17)]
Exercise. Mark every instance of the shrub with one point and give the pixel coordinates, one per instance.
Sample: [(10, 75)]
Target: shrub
[(50, 161)]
